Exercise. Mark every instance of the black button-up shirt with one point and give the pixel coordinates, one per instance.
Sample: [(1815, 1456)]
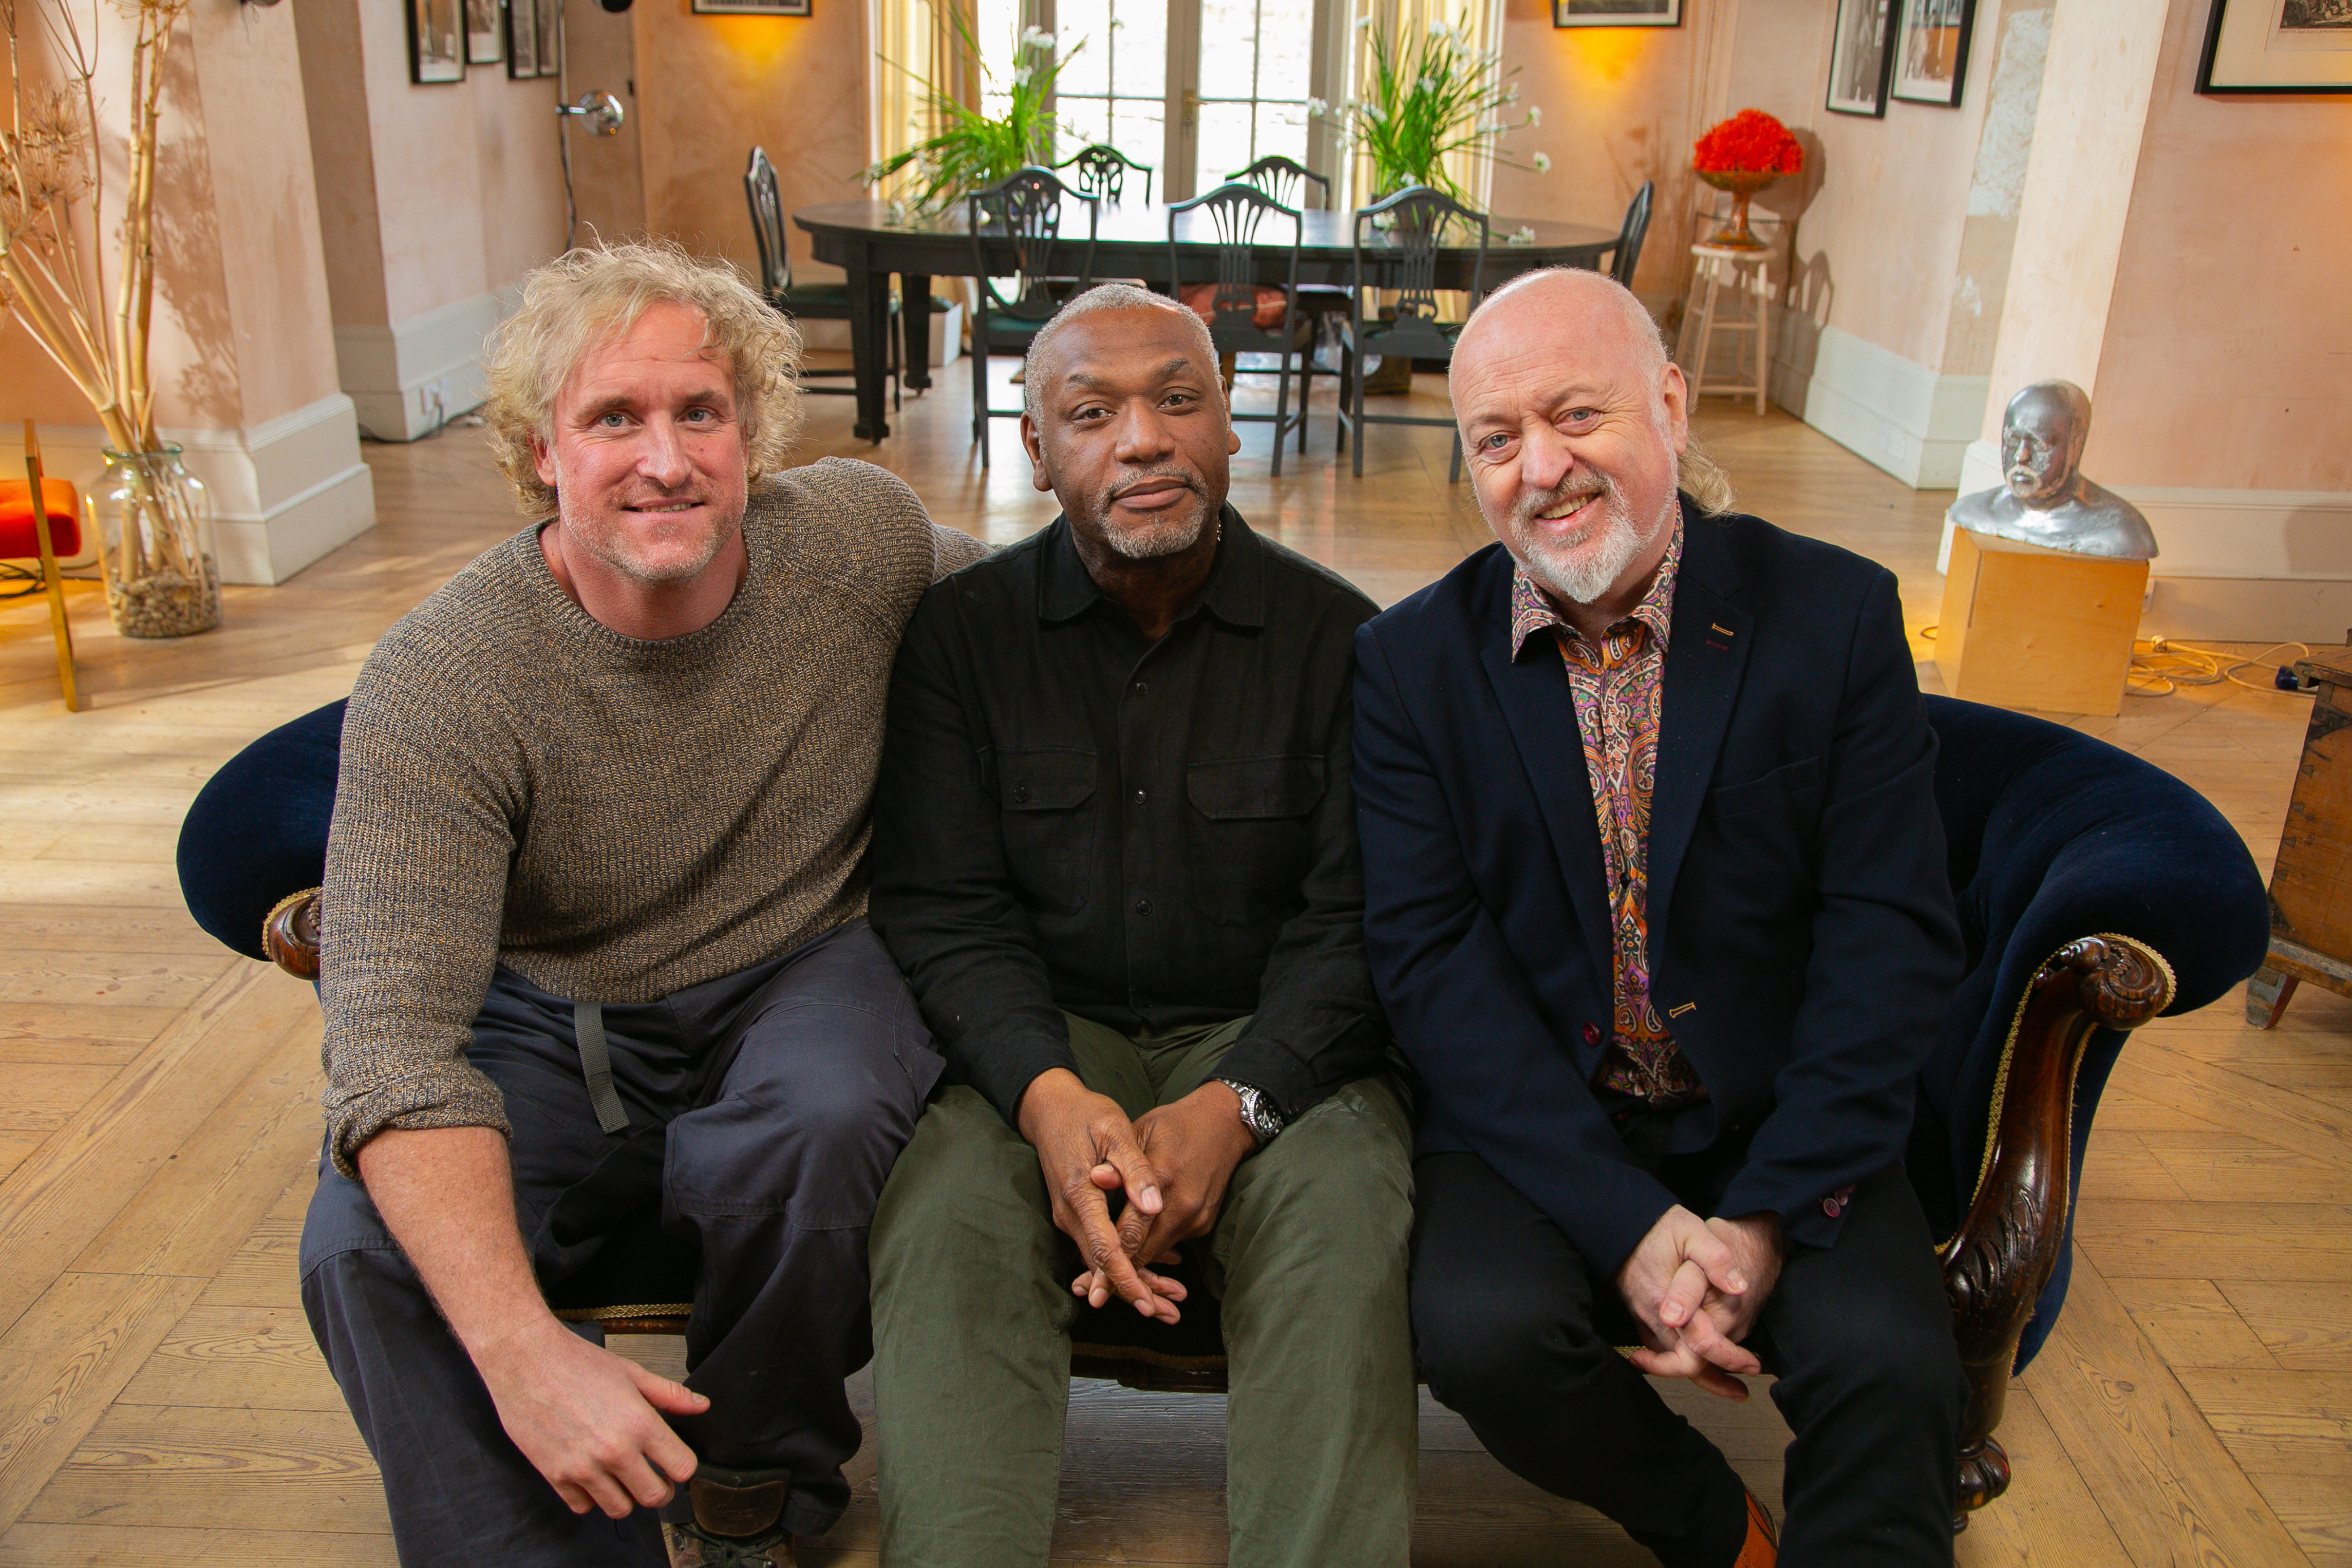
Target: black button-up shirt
[(1150, 835)]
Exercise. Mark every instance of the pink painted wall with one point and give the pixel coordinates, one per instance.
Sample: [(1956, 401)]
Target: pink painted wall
[(2228, 358), (241, 331), (1881, 207), (432, 193), (1617, 112), (711, 87)]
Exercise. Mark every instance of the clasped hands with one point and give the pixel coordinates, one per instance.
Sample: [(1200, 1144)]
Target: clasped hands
[(1173, 1163), (1694, 1287)]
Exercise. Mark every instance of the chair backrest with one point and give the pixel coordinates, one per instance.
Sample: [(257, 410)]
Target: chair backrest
[(1102, 171), (1395, 248), (768, 225), (1234, 215), (1630, 237), (1287, 179), (1025, 210)]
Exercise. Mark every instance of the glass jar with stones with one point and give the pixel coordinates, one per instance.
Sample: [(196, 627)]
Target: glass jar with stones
[(155, 524)]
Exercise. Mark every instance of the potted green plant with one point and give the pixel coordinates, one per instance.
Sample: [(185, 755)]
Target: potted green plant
[(1425, 99), (972, 149)]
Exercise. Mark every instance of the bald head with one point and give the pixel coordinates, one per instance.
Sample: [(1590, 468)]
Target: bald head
[(1604, 311)]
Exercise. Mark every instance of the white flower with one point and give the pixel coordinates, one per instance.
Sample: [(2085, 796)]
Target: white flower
[(1035, 39), (1363, 23), (1438, 29), (1492, 128), (1512, 95), (1317, 109), (1542, 161), (1535, 114), (1375, 113), (1524, 234)]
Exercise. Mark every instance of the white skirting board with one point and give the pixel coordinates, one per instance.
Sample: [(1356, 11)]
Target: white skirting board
[(284, 492), (408, 380), (2233, 566), (1902, 416)]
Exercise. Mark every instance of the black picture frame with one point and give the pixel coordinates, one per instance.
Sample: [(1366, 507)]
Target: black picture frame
[(522, 39), (436, 41), (1924, 69), (551, 37), (1616, 13), (2242, 56), (486, 32), (1861, 52)]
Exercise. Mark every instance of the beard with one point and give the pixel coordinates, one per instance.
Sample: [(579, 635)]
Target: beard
[(1165, 536), (1585, 568)]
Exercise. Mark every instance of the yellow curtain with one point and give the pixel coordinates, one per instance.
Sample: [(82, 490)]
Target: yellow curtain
[(918, 36), (1407, 21)]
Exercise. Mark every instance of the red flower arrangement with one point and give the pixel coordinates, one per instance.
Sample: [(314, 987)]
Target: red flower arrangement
[(1749, 142)]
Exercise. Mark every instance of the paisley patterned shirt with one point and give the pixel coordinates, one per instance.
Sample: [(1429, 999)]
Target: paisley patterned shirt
[(1620, 690)]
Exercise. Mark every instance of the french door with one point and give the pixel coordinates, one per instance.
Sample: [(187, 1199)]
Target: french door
[(1197, 88)]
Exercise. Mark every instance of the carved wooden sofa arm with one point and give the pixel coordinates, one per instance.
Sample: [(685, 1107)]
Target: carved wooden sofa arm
[(1997, 1263), (289, 934)]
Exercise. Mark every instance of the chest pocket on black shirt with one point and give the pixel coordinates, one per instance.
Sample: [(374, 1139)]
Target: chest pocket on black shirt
[(1252, 834), (1048, 839)]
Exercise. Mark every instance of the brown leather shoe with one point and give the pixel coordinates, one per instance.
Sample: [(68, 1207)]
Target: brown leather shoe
[(1762, 1547)]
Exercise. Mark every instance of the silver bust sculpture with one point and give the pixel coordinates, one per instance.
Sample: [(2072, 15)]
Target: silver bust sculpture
[(2045, 499)]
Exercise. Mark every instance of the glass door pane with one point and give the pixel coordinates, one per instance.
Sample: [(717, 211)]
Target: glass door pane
[(1114, 82), (1255, 63)]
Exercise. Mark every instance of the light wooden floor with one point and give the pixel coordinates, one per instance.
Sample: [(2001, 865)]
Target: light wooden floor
[(161, 1402)]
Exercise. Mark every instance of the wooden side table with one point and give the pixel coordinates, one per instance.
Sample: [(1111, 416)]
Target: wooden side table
[(2311, 885)]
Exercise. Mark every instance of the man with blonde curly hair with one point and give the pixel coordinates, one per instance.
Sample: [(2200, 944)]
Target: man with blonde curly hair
[(594, 948)]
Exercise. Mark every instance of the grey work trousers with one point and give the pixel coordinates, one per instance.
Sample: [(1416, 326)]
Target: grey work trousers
[(972, 1313), (765, 1109)]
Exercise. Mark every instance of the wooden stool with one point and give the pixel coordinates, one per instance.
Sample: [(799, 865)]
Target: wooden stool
[(2311, 887), (1741, 274), (2033, 628)]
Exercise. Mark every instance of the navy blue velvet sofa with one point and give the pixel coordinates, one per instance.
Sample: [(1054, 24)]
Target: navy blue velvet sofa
[(2095, 891)]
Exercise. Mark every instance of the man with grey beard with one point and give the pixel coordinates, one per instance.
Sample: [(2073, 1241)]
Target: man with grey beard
[(1115, 852), (1657, 902)]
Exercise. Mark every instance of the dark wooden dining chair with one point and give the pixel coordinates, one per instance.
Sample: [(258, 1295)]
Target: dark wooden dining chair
[(1287, 181), (803, 301), (1630, 237), (1022, 212), (1101, 171), (1236, 214), (1393, 249)]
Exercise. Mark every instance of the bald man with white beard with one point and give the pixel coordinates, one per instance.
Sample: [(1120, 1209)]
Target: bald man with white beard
[(1656, 904)]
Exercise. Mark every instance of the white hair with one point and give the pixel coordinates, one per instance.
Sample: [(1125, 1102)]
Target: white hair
[(1100, 298)]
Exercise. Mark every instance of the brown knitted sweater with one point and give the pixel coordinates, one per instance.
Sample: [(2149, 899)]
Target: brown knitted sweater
[(613, 820)]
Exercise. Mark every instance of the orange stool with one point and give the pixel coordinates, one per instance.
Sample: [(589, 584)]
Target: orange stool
[(21, 541)]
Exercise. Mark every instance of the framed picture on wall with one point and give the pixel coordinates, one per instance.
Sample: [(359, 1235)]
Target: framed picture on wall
[(1859, 58), (550, 37), (750, 7), (1931, 51), (436, 40), (486, 32), (2277, 45), (1616, 13), (522, 38)]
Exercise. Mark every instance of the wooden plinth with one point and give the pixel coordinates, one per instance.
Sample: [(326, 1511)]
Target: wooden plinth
[(2027, 627), (2311, 885)]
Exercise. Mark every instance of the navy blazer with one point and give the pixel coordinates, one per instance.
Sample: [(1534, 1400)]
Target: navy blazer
[(1803, 941)]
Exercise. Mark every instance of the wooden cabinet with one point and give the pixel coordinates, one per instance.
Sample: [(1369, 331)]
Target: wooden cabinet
[(2311, 887)]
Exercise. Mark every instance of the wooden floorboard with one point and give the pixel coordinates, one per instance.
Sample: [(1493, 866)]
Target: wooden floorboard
[(162, 1403)]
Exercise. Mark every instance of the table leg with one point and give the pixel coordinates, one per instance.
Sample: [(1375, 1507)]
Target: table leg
[(915, 323), (869, 318)]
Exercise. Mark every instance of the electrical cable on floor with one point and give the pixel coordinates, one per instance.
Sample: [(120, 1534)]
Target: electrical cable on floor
[(2160, 667)]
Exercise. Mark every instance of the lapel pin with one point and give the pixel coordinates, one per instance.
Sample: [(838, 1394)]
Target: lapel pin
[(1685, 1007)]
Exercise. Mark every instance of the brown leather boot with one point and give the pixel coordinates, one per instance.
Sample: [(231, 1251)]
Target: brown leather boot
[(691, 1546)]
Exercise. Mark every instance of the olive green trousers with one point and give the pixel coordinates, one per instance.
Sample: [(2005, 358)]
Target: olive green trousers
[(972, 1311)]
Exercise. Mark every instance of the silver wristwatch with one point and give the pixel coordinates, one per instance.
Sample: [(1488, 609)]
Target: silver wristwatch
[(1259, 1114)]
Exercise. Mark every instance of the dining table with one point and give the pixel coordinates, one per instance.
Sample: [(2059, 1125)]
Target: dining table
[(870, 242)]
